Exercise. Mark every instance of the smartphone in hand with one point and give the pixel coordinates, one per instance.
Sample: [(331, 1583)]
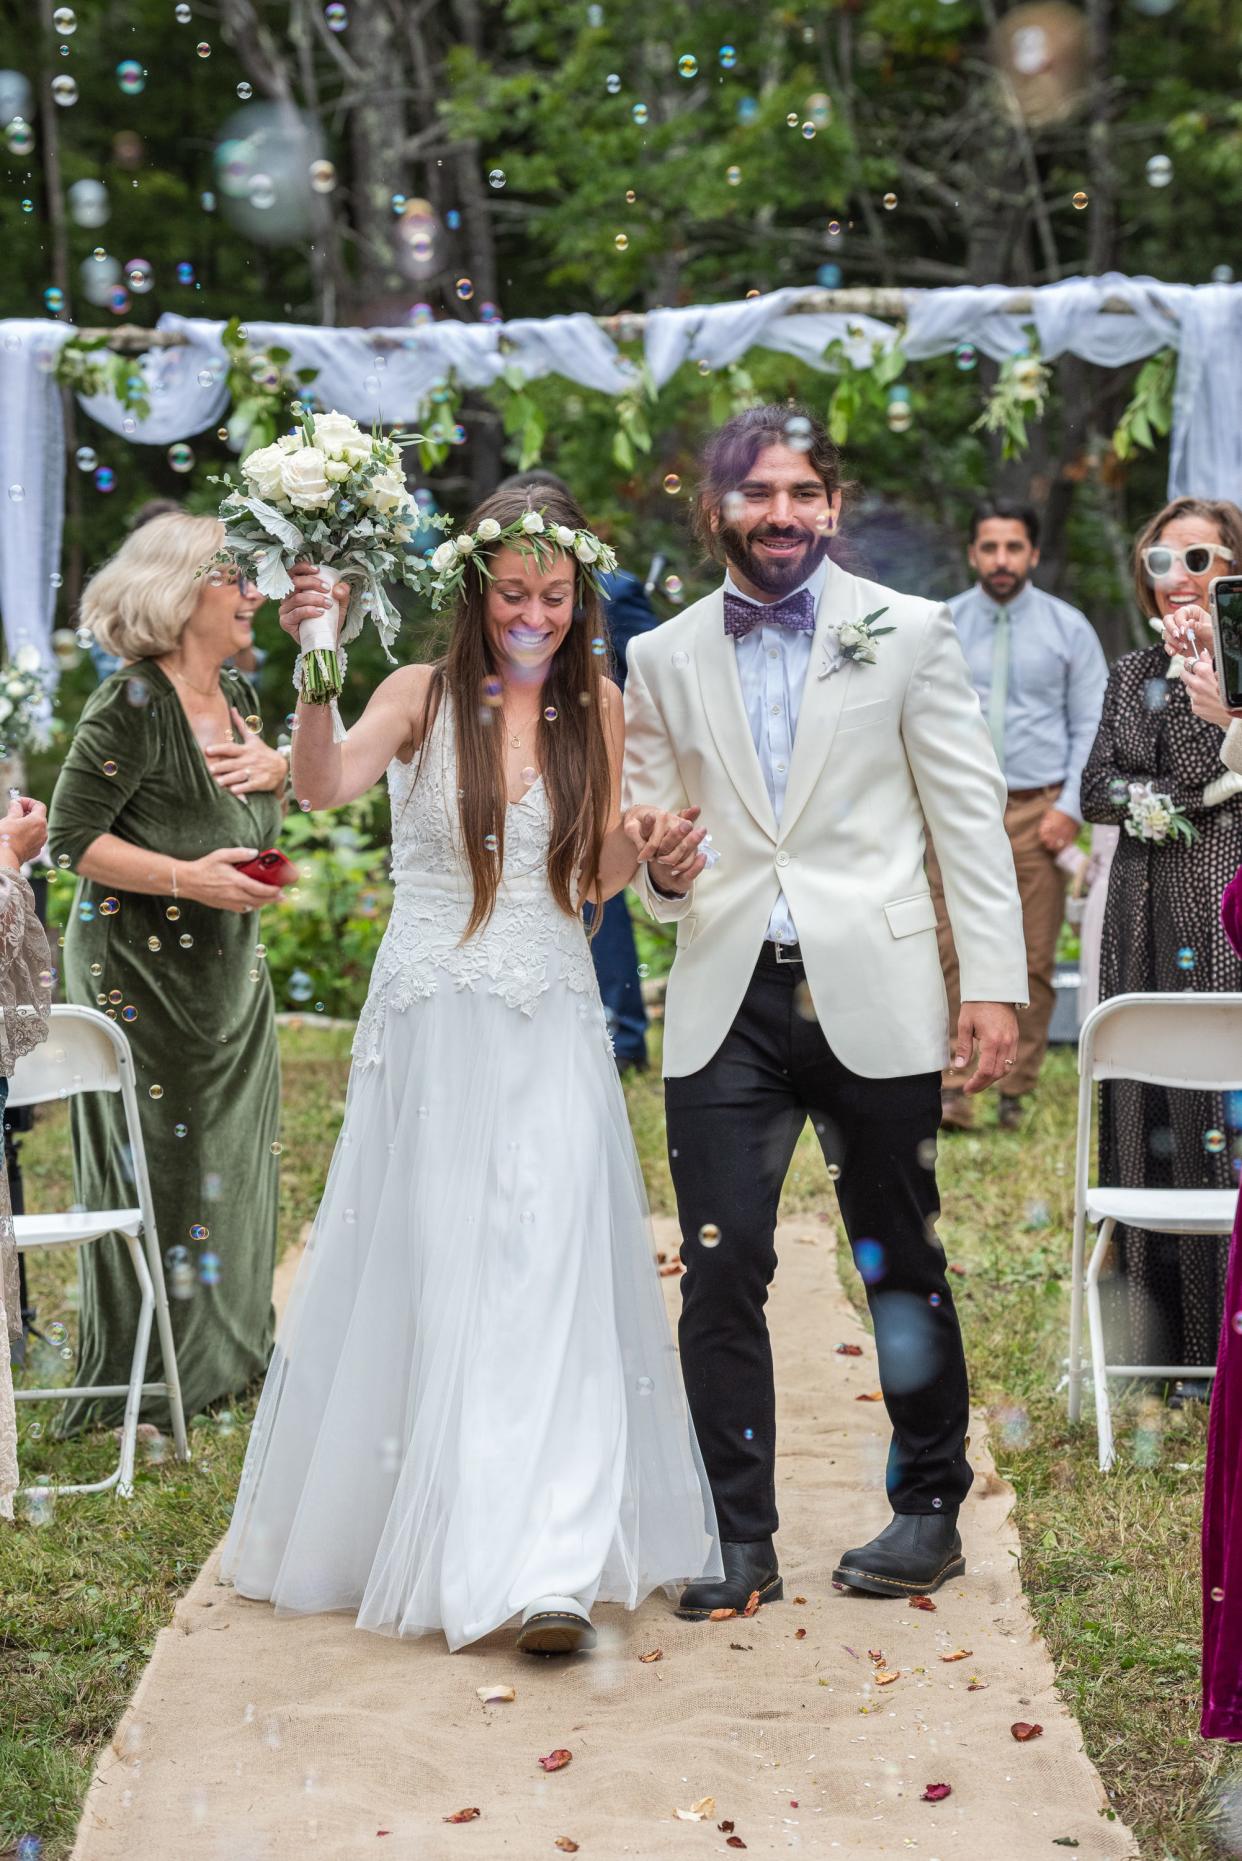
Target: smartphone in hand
[(1225, 600)]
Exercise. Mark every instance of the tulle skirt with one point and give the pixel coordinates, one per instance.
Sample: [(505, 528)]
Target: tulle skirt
[(475, 1400)]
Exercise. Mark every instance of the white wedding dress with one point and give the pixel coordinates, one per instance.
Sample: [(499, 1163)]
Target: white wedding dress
[(475, 1400)]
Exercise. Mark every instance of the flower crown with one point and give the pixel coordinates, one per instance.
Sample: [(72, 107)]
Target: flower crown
[(528, 532)]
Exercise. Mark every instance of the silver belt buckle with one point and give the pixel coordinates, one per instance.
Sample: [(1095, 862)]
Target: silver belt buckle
[(785, 959)]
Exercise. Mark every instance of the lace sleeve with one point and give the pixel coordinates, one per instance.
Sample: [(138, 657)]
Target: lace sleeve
[(25, 972)]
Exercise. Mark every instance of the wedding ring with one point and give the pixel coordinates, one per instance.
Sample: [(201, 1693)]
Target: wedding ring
[(1008, 1063)]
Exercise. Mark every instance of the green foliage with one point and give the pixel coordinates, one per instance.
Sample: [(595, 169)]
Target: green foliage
[(1020, 394), (322, 934), (262, 388), (88, 366), (1149, 412)]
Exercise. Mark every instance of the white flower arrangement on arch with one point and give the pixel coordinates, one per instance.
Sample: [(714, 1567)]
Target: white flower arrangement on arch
[(331, 494), (529, 532)]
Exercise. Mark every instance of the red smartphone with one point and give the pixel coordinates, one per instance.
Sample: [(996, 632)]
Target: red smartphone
[(270, 868)]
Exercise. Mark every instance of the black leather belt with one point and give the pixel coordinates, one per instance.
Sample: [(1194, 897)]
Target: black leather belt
[(780, 955)]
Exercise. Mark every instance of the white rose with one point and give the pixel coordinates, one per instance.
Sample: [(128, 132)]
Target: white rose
[(850, 634), (565, 536), (27, 659), (6, 709), (1027, 380), (263, 469), (532, 523), (465, 544), (16, 689), (291, 442), (488, 530), (303, 481), (336, 433), (386, 491), (444, 557), (586, 548), (336, 471)]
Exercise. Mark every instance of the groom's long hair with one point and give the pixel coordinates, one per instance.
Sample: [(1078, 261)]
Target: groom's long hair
[(572, 745)]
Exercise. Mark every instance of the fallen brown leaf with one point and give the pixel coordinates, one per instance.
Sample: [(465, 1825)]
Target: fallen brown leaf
[(721, 1615), (799, 1599), (955, 1268), (734, 1841), (463, 1815), (656, 1654), (555, 1760), (495, 1695), (874, 1395), (958, 1654), (727, 1826), (566, 1846), (752, 1604), (742, 1647), (799, 1634), (697, 1812), (884, 1677), (849, 1350), (936, 1792), (1024, 1732), (921, 1602)]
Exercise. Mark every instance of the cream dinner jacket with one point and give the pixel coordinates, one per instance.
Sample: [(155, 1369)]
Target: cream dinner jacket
[(880, 750)]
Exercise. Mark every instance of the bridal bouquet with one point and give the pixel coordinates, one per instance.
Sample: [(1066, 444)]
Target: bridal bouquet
[(1152, 816), (25, 701), (330, 494)]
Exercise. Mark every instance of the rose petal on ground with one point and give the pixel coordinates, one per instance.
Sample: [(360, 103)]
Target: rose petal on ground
[(977, 1686), (463, 1815), (1024, 1732), (734, 1841), (799, 1599), (884, 1676), (936, 1792), (849, 1350), (721, 1615), (656, 1654), (873, 1395), (921, 1602), (555, 1760), (566, 1845), (752, 1604), (876, 1655), (799, 1634), (493, 1695), (958, 1654), (727, 1826)]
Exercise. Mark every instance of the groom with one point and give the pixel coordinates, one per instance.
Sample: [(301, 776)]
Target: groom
[(825, 726)]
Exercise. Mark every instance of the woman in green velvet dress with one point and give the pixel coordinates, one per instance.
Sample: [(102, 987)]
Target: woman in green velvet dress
[(166, 787)]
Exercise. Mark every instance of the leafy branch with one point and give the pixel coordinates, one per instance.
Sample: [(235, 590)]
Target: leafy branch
[(87, 366), (633, 434), (1021, 393), (860, 389), (1149, 412), (262, 388)]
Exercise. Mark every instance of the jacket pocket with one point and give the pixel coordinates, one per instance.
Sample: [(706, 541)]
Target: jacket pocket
[(685, 931), (861, 716), (907, 915)]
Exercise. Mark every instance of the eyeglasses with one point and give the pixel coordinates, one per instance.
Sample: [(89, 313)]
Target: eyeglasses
[(1162, 562)]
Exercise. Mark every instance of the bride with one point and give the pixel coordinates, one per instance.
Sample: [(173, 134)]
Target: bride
[(475, 1411)]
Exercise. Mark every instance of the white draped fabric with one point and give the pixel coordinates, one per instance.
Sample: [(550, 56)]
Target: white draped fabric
[(387, 374)]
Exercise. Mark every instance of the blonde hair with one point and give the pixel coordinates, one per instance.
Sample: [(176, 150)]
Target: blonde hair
[(138, 604)]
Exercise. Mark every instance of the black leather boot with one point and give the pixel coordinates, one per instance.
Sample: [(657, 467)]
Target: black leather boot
[(747, 1568), (913, 1555)]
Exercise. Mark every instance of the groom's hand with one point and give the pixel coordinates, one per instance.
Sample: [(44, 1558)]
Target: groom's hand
[(993, 1027)]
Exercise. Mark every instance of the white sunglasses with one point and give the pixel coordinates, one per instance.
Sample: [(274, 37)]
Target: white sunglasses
[(1162, 561)]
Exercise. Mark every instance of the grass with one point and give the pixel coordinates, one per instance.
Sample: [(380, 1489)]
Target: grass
[(1110, 1563)]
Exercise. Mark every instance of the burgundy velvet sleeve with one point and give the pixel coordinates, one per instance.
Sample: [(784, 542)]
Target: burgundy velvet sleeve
[(1231, 911)]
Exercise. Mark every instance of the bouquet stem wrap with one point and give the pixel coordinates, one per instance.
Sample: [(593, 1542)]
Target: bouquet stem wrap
[(321, 666)]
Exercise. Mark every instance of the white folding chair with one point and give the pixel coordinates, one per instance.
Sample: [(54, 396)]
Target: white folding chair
[(85, 1052), (1187, 1040)]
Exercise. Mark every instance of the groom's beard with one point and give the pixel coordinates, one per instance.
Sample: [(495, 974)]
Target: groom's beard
[(774, 578)]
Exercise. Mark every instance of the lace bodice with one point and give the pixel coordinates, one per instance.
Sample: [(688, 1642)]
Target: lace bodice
[(528, 945)]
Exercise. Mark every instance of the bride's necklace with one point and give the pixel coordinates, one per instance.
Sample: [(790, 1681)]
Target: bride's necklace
[(210, 691)]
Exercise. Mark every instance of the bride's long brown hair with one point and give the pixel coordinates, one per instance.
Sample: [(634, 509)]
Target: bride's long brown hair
[(572, 748)]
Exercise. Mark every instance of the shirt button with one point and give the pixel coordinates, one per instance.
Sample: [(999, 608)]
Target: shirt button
[(774, 652), (782, 858), (775, 710), (780, 768)]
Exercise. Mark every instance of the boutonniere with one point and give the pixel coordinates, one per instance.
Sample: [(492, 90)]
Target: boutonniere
[(854, 640)]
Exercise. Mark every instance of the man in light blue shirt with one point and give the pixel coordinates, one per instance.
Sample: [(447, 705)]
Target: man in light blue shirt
[(1040, 672)]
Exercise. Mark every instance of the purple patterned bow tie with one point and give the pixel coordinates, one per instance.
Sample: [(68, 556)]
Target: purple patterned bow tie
[(796, 611)]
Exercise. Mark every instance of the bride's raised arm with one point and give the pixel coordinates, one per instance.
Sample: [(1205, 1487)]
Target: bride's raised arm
[(328, 774)]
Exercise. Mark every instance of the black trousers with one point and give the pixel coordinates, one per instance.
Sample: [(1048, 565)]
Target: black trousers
[(732, 1129)]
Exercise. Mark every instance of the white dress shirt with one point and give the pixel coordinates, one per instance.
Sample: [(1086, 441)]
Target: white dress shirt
[(772, 664)]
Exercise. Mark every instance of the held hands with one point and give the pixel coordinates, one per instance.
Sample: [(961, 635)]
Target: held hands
[(249, 767), (214, 880), (1057, 830), (308, 598), (993, 1028), (23, 831), (670, 843)]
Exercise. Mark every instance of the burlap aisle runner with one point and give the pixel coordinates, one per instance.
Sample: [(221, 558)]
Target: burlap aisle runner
[(250, 1739)]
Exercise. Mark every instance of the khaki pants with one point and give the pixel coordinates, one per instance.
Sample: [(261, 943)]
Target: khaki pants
[(1041, 887)]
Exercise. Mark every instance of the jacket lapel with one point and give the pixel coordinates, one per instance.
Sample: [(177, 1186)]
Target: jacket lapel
[(822, 698), (721, 689)]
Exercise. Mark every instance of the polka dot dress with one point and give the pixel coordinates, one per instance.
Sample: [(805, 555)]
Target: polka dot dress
[(1162, 932)]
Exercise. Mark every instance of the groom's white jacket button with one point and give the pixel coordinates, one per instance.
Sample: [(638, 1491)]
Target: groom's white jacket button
[(782, 858)]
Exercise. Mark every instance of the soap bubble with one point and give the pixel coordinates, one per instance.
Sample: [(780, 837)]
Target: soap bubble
[(728, 57), (496, 178), (621, 242), (203, 49), (733, 175), (612, 83), (747, 110), (64, 90), (808, 131), (64, 22), (1159, 171), (966, 357), (299, 987), (672, 483), (105, 479), (1214, 1142), (17, 494), (19, 137), (640, 113), (139, 276), (245, 91), (688, 65), (322, 177), (709, 1234), (155, 1092), (464, 289), (54, 299), (869, 1259), (181, 457), (1079, 201), (131, 77), (336, 16), (1186, 957), (890, 201)]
